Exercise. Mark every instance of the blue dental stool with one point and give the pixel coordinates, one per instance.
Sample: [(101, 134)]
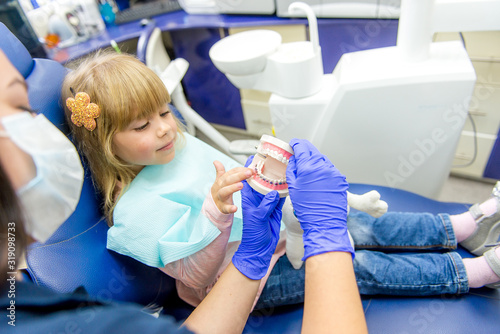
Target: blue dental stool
[(76, 254)]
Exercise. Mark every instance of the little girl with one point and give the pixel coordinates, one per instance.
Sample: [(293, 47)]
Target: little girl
[(167, 207)]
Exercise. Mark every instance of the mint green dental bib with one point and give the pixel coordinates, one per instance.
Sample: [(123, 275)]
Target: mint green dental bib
[(158, 220)]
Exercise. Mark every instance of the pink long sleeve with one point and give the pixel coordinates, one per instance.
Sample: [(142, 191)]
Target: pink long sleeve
[(200, 270), (198, 273)]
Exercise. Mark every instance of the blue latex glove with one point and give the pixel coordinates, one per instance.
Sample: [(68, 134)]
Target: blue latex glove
[(261, 228), (318, 192)]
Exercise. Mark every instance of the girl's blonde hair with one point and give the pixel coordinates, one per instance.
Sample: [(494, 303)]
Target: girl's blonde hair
[(125, 89)]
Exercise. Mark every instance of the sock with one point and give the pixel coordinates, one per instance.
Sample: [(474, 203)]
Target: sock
[(479, 271), (464, 224), (489, 207)]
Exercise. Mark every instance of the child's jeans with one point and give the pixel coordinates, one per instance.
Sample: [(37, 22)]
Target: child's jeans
[(404, 254)]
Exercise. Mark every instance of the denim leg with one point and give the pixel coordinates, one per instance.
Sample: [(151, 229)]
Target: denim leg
[(397, 274), (410, 274), (285, 286), (402, 231)]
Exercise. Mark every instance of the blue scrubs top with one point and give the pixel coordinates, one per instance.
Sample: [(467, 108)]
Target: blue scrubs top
[(39, 310)]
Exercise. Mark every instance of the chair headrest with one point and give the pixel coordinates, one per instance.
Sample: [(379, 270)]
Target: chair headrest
[(78, 248), (18, 55), (44, 95)]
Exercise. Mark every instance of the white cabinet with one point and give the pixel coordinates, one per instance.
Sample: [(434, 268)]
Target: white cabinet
[(484, 51)]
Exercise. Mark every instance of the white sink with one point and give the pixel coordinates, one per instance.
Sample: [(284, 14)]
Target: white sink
[(246, 52)]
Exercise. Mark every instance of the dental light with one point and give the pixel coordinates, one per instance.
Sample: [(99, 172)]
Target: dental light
[(389, 116), (257, 60)]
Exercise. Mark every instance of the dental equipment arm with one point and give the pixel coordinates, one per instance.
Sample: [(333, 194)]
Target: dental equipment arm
[(463, 15), (419, 20), (171, 77)]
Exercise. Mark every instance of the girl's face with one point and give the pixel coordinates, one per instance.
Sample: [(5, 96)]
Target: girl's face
[(147, 141)]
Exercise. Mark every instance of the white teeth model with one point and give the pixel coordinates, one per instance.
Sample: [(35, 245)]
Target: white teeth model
[(258, 170), (273, 154), (273, 151)]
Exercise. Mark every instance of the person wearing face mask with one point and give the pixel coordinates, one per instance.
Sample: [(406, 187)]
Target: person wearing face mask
[(40, 183), (39, 168), (41, 162)]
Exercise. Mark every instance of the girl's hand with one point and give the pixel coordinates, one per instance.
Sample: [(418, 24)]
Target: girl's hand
[(226, 184)]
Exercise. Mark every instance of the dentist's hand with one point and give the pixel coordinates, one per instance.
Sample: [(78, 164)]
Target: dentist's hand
[(318, 192), (261, 228)]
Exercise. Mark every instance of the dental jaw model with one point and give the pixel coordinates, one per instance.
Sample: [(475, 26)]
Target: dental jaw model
[(400, 109), (269, 165)]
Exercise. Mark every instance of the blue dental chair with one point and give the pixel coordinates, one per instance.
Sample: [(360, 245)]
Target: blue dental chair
[(76, 254)]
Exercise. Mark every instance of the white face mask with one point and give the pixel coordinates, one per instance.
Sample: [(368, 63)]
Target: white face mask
[(51, 197)]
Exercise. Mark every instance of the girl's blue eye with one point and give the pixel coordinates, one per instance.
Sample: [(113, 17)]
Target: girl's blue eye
[(142, 127)]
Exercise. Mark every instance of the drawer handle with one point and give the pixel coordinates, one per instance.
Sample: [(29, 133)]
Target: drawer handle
[(462, 156), (478, 113), (258, 121)]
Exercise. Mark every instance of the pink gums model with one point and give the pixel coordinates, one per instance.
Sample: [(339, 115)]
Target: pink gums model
[(270, 166)]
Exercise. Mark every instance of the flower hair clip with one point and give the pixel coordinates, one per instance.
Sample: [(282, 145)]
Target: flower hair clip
[(83, 112)]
